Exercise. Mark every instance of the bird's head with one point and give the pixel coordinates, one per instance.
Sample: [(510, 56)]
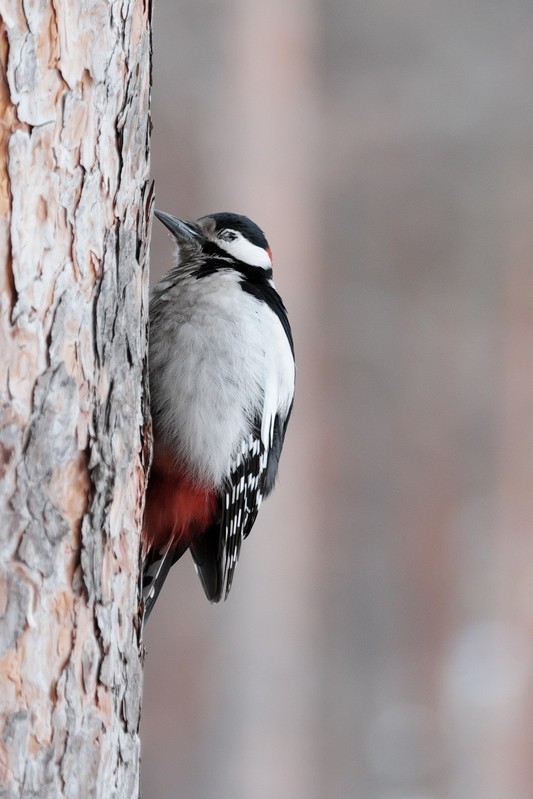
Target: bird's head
[(234, 234)]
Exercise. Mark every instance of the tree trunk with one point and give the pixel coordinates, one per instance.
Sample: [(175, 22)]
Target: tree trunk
[(74, 211)]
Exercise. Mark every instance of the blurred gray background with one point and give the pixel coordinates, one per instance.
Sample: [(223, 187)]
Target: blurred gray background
[(378, 639)]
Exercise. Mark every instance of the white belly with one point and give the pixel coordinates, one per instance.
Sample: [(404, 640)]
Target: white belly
[(219, 359)]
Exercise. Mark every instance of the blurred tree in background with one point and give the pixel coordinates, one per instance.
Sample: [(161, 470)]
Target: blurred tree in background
[(377, 641)]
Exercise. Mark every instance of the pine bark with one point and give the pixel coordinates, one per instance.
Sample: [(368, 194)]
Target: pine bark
[(74, 211)]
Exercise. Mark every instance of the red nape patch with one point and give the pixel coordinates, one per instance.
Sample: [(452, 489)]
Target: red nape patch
[(269, 251), (176, 509)]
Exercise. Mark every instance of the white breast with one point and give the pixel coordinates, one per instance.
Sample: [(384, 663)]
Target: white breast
[(218, 356)]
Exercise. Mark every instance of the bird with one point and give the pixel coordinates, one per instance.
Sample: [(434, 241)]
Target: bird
[(221, 378)]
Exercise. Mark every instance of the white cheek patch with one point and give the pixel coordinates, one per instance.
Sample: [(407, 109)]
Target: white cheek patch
[(245, 251)]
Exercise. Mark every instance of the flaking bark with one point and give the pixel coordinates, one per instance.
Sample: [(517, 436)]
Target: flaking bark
[(74, 205)]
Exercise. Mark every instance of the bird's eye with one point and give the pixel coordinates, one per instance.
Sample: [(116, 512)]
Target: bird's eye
[(227, 235)]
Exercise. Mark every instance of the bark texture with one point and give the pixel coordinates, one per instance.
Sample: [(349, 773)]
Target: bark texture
[(74, 210)]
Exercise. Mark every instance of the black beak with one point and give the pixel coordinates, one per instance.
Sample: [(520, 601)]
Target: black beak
[(183, 231)]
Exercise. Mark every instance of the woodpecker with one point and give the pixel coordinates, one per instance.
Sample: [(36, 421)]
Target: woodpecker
[(222, 372)]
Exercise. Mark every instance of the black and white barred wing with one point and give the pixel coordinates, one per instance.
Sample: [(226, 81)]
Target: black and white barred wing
[(251, 481), (216, 553), (241, 504)]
